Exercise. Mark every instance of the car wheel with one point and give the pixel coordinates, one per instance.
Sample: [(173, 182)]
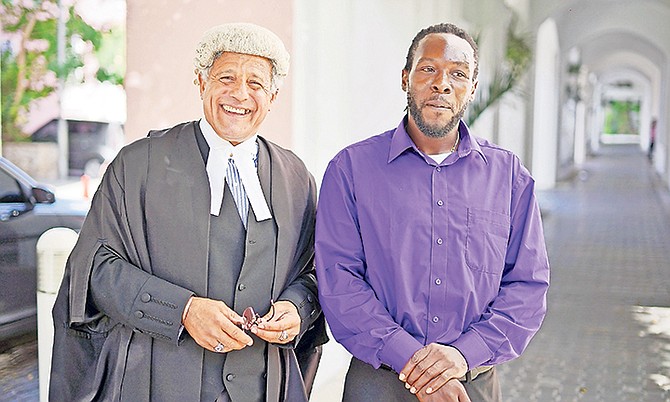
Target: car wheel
[(92, 168)]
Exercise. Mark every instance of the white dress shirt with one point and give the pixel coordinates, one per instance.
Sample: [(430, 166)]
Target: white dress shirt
[(244, 155)]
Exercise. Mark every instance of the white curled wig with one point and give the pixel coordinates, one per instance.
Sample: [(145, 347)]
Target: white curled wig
[(242, 38)]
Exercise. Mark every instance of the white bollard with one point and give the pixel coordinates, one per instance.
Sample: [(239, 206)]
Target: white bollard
[(53, 249)]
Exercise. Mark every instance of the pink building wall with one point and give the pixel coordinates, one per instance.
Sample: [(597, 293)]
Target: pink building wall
[(161, 41)]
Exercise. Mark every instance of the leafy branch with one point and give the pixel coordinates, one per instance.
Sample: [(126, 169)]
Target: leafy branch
[(29, 60)]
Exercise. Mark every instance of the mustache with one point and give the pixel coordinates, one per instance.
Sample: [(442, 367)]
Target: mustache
[(439, 99)]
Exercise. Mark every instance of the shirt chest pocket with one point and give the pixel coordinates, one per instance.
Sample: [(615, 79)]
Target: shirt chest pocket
[(486, 240)]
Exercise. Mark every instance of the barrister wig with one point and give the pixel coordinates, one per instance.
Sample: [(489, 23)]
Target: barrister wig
[(242, 38)]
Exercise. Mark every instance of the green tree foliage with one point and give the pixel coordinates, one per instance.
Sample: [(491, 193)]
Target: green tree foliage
[(621, 117), (30, 66)]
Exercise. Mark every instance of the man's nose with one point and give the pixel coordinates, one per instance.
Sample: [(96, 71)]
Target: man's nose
[(442, 84), (239, 90)]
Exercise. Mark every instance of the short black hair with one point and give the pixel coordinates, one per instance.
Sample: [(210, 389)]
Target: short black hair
[(446, 28)]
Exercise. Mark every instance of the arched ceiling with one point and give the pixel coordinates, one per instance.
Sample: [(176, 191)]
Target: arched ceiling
[(624, 83), (613, 33), (580, 20), (620, 41), (620, 57)]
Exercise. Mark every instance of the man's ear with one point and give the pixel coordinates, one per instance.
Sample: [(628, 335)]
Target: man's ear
[(201, 84), (405, 79), (474, 88)]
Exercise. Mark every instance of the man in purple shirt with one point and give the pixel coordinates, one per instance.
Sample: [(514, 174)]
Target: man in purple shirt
[(430, 253)]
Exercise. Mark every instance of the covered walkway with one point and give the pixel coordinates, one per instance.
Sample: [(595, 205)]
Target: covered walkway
[(607, 333)]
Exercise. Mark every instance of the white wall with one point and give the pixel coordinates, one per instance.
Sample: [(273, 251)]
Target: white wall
[(348, 57)]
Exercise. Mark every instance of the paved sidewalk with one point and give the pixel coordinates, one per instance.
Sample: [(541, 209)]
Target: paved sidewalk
[(607, 333)]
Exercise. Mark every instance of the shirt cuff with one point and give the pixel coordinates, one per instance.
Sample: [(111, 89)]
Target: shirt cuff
[(398, 350), (473, 348)]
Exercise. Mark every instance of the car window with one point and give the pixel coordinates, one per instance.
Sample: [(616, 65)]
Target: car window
[(84, 135), (10, 191), (47, 133), (76, 128), (85, 127)]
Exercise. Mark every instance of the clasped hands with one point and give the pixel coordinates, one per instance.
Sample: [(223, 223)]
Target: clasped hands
[(432, 374), (216, 327)]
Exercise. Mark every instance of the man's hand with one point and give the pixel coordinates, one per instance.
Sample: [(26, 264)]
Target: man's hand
[(431, 367), (452, 391), (284, 325), (211, 322)]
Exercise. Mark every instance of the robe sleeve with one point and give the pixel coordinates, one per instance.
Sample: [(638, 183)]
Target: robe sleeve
[(110, 277), (137, 299)]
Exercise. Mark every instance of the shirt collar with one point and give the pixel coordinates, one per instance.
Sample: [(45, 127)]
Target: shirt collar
[(248, 146), (245, 156), (469, 143), (401, 141)]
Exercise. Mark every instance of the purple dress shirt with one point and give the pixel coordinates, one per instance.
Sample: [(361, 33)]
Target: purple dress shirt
[(411, 252)]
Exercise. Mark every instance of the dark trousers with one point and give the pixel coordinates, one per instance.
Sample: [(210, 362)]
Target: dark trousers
[(364, 383)]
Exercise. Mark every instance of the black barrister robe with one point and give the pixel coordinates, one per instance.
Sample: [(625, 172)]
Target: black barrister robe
[(151, 212)]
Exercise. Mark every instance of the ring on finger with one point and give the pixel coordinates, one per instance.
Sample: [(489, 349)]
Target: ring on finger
[(283, 335), (219, 347)]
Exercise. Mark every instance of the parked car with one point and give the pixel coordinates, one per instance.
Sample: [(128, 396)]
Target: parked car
[(27, 210), (90, 143)]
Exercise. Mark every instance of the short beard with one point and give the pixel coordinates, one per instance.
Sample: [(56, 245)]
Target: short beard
[(427, 129)]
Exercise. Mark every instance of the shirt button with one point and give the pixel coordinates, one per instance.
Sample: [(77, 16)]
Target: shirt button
[(439, 241), (440, 203), (139, 314), (439, 169), (438, 281), (241, 287), (436, 319), (230, 377), (146, 297)]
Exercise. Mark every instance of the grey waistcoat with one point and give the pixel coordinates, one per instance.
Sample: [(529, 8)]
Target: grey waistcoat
[(240, 274)]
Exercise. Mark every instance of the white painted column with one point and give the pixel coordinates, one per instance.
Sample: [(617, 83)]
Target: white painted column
[(580, 134), (545, 122), (53, 249)]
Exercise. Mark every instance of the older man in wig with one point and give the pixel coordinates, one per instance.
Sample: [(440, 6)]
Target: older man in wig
[(193, 275)]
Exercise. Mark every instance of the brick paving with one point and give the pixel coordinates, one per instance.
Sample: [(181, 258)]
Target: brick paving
[(18, 369), (608, 237)]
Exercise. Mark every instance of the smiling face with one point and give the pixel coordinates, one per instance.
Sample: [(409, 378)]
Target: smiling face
[(440, 84), (236, 96)]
